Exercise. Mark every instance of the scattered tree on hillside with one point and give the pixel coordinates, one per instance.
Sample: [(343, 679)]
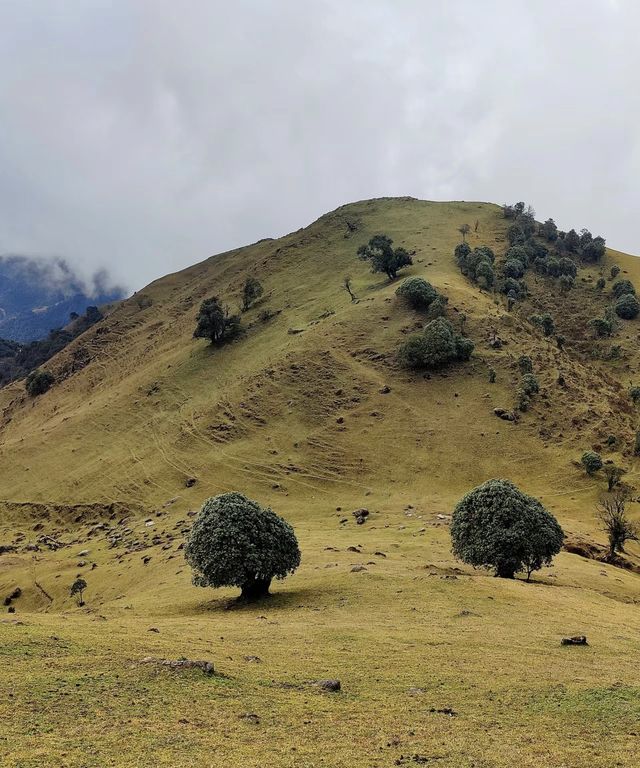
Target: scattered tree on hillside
[(601, 326), (437, 346), (627, 306), (525, 364), (464, 230), (613, 475), (492, 375), (545, 322), (77, 588), (592, 462), (613, 515), (614, 271), (234, 542), (347, 285), (39, 382), (600, 284), (622, 287), (498, 526), (215, 323), (383, 257), (418, 293), (549, 230), (251, 291)]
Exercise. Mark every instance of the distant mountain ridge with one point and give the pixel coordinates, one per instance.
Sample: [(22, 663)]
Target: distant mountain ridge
[(38, 295)]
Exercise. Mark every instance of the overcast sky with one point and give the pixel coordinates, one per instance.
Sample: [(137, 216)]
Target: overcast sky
[(146, 135)]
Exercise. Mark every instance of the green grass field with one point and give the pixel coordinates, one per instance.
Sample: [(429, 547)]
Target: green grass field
[(439, 664)]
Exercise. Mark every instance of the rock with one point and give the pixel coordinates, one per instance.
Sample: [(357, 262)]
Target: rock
[(501, 413), (252, 659), (444, 711), (361, 515), (250, 717), (385, 390), (329, 685), (358, 568), (153, 629), (206, 666), (11, 609), (84, 553), (576, 640), (190, 482)]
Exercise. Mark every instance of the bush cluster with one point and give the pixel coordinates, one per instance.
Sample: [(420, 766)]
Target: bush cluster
[(438, 345)]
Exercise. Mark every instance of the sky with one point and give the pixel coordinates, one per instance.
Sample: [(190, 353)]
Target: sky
[(143, 136)]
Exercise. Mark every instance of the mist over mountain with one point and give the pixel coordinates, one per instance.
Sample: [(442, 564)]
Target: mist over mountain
[(38, 294)]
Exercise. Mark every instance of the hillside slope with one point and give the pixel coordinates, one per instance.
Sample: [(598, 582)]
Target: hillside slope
[(310, 413)]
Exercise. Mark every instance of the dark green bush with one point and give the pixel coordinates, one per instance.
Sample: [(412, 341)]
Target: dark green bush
[(529, 384), (591, 461), (525, 364), (634, 394), (234, 542), (251, 291), (545, 322), (437, 346), (601, 326), (498, 526), (418, 293), (513, 268), (614, 271), (627, 306), (39, 382), (621, 287), (600, 284)]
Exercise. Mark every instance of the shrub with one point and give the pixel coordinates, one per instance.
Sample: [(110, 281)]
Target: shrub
[(461, 251), (529, 384), (566, 283), (492, 375), (553, 267), (417, 292), (634, 394), (518, 253), (516, 235), (234, 542), (593, 250), (591, 461), (600, 284), (614, 271), (485, 275), (549, 230), (601, 326), (627, 306), (513, 268), (437, 346), (613, 516), (39, 382), (498, 526), (620, 287), (613, 475), (525, 364), (636, 444), (438, 307), (545, 322), (383, 257), (215, 323), (251, 291), (567, 267)]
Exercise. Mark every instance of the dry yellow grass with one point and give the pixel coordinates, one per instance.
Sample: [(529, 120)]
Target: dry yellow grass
[(154, 407)]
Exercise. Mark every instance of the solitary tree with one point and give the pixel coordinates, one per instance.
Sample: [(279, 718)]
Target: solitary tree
[(464, 230), (627, 306), (383, 257), (77, 588), (613, 516), (251, 291), (234, 542), (215, 323), (346, 284), (498, 526)]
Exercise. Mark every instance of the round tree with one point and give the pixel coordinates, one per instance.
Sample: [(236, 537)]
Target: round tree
[(234, 542), (591, 461), (418, 293), (627, 306), (498, 526)]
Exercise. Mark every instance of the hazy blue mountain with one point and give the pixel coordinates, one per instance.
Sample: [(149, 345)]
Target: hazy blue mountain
[(38, 295)]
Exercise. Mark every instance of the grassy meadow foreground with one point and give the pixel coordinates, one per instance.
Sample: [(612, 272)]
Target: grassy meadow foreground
[(309, 412)]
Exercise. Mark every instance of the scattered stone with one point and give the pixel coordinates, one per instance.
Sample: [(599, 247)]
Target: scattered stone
[(385, 390), (361, 515), (84, 553), (206, 666), (576, 640), (358, 568), (329, 685), (251, 717), (444, 711), (380, 554), (153, 629), (501, 413), (190, 482), (353, 549), (253, 659)]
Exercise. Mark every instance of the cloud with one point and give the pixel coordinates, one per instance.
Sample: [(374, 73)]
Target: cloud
[(143, 137)]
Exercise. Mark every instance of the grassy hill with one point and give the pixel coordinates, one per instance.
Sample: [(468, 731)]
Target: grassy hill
[(310, 413)]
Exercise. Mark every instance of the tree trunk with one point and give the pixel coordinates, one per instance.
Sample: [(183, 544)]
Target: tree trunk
[(254, 590), (505, 571)]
